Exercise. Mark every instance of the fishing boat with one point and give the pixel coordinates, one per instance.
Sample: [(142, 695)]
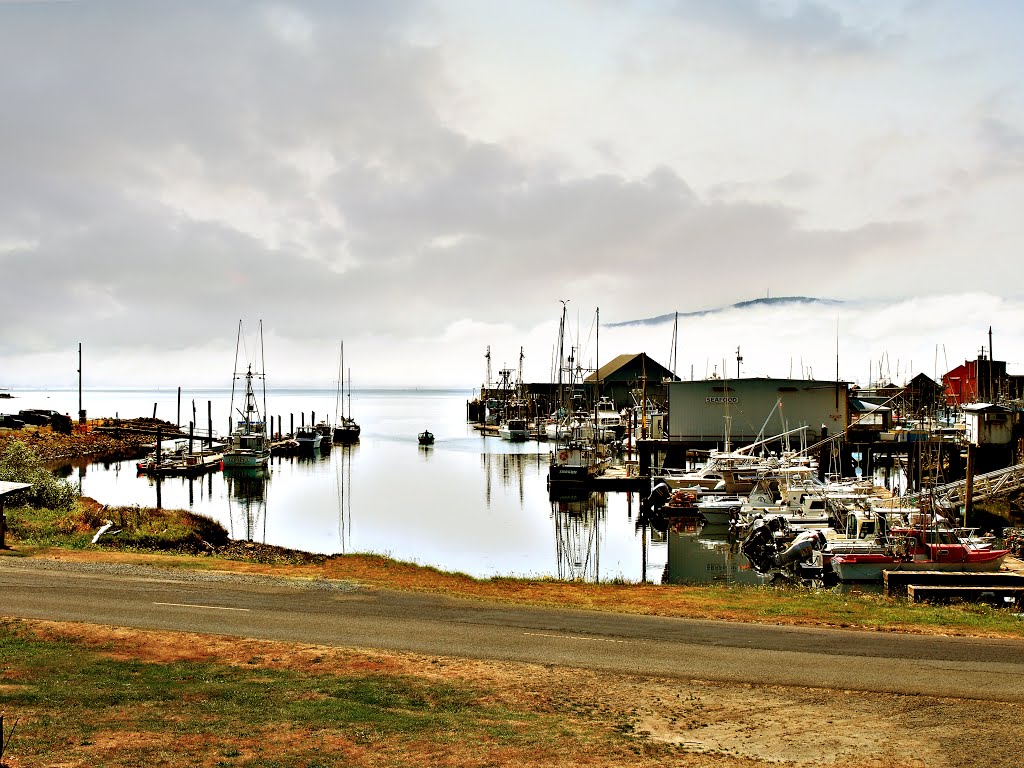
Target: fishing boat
[(576, 458), (608, 425), (308, 438), (249, 444), (514, 430), (326, 431), (426, 437)]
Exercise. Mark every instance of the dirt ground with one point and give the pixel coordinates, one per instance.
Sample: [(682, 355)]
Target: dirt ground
[(707, 723)]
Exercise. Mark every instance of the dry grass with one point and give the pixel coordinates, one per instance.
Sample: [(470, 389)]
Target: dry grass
[(531, 716)]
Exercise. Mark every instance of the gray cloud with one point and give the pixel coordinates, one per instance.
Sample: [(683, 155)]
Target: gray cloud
[(169, 168), (809, 29)]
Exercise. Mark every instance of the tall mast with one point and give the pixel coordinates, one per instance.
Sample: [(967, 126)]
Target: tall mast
[(561, 354), (341, 383), (81, 413), (597, 366)]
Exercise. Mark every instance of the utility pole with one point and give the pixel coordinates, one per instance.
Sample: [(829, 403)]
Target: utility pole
[(739, 359), (81, 411)]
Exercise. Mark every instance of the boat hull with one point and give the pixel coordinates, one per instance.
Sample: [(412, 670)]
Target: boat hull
[(346, 434), (246, 459), (869, 567)]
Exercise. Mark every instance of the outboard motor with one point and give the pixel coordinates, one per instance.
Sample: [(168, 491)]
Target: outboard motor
[(801, 548), (660, 494), (759, 545)]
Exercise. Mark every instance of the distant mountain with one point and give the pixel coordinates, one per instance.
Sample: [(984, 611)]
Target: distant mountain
[(770, 302)]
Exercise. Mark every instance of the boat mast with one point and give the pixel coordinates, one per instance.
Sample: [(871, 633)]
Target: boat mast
[(561, 354), (597, 367), (234, 378), (341, 385)]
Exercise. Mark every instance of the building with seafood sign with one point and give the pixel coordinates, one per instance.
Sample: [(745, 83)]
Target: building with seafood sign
[(705, 412)]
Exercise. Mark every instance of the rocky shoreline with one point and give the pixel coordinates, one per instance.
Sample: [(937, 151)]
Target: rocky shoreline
[(50, 445)]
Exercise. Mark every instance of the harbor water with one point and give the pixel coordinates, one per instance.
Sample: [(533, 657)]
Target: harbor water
[(469, 503)]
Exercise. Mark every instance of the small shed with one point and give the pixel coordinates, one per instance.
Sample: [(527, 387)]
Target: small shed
[(988, 424), (869, 416)]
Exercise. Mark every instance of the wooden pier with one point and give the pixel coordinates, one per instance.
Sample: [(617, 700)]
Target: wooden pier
[(996, 587)]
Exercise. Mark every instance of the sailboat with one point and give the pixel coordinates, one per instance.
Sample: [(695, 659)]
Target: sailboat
[(249, 442), (345, 428)]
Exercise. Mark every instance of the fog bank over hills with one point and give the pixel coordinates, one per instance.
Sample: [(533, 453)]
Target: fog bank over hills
[(779, 301), (797, 337)]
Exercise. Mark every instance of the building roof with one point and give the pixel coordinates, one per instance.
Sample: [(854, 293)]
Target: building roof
[(654, 370), (985, 408), (862, 406)]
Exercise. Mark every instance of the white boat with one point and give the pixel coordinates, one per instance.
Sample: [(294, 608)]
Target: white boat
[(514, 430), (607, 421), (308, 438), (249, 442), (720, 511)]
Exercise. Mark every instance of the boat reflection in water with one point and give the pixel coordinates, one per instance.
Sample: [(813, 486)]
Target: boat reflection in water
[(701, 554), (577, 522), (343, 487), (247, 502), (198, 487)]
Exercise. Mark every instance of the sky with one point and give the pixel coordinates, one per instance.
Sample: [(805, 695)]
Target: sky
[(425, 180)]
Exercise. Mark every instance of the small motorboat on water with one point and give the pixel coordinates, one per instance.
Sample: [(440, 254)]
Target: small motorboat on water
[(426, 437)]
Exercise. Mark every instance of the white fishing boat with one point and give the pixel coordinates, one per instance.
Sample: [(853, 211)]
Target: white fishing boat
[(249, 442), (514, 430), (608, 425), (308, 438)]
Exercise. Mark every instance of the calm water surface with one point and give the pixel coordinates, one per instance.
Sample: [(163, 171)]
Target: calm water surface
[(468, 503)]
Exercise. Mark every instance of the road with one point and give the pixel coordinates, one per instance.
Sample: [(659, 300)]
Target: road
[(338, 614)]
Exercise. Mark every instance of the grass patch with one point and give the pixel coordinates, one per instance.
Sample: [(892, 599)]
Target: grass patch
[(84, 706), (133, 527)]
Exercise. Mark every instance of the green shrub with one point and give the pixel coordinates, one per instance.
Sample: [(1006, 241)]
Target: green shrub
[(19, 464)]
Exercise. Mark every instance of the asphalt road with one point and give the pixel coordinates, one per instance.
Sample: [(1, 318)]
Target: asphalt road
[(337, 614)]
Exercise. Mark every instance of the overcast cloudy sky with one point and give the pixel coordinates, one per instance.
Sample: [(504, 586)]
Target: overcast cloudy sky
[(425, 179)]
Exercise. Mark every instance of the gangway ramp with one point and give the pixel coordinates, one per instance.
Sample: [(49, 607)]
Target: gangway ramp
[(986, 486)]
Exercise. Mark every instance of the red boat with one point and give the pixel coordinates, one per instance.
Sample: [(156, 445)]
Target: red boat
[(956, 556)]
